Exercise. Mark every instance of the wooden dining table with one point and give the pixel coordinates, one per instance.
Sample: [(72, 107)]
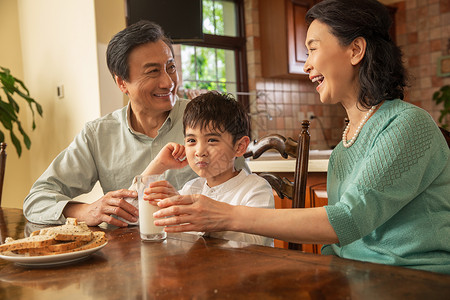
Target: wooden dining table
[(188, 266)]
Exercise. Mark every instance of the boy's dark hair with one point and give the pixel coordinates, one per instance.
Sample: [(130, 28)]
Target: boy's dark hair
[(123, 42), (219, 112), (382, 75)]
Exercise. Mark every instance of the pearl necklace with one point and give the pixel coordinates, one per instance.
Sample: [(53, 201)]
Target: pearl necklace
[(358, 130)]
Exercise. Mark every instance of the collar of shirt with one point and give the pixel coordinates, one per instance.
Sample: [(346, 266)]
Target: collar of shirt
[(166, 126), (225, 187)]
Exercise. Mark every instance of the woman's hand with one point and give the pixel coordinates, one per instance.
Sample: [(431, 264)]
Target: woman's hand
[(193, 213)]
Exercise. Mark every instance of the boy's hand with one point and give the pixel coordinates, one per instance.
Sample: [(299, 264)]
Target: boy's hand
[(159, 190), (171, 156)]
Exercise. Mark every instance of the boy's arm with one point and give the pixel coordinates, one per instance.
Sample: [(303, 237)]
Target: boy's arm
[(171, 156)]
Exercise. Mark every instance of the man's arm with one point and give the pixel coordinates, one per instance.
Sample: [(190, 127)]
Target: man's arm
[(72, 173)]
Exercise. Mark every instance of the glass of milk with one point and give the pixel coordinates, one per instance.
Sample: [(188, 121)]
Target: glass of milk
[(149, 232)]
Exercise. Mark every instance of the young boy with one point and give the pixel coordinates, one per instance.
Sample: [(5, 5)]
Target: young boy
[(216, 131)]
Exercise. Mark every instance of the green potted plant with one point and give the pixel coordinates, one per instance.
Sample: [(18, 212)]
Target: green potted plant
[(443, 96), (15, 89)]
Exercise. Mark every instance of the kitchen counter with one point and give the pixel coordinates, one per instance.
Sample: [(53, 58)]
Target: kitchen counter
[(273, 162)]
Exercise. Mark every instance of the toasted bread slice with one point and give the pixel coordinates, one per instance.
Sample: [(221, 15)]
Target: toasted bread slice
[(34, 251), (69, 232), (31, 242), (76, 236), (62, 247), (98, 240)]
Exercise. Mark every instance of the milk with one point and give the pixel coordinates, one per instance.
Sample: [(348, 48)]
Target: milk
[(146, 219), (148, 231)]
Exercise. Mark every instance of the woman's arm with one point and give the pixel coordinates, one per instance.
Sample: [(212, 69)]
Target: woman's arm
[(200, 213), (303, 225)]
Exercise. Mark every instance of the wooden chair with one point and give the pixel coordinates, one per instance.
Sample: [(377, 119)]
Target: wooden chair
[(296, 191), (446, 135), (2, 167)]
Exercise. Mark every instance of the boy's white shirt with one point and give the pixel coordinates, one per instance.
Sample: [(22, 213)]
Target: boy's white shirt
[(243, 189)]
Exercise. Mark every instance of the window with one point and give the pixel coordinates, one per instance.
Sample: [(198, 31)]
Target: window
[(218, 62), (220, 17)]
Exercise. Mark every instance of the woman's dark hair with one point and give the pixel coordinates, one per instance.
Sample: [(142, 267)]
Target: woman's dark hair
[(219, 112), (123, 42), (382, 75)]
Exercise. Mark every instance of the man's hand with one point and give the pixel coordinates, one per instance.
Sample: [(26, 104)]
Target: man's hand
[(113, 203)]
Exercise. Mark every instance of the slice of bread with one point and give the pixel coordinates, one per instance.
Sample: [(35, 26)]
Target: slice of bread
[(68, 232), (64, 246), (61, 247), (99, 239), (38, 241), (34, 251)]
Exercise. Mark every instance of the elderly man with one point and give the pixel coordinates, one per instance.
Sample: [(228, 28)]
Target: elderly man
[(115, 148)]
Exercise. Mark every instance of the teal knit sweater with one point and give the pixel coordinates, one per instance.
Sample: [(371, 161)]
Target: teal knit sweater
[(389, 193)]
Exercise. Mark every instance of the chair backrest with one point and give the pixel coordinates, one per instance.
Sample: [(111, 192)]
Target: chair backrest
[(296, 191), (2, 167), (446, 135)]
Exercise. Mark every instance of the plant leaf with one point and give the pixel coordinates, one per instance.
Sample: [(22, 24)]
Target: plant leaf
[(22, 85), (38, 108), (7, 122), (441, 117), (8, 80), (8, 109), (14, 89), (13, 103), (435, 95), (26, 138), (16, 143)]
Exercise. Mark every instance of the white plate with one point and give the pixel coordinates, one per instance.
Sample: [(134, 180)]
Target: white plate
[(51, 260)]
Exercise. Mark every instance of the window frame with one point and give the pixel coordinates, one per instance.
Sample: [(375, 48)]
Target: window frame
[(236, 44)]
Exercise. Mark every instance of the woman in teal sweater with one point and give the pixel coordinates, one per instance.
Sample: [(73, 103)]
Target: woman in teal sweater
[(389, 178), (388, 194)]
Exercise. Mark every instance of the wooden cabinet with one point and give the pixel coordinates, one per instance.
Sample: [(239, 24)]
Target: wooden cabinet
[(283, 34), (316, 196)]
